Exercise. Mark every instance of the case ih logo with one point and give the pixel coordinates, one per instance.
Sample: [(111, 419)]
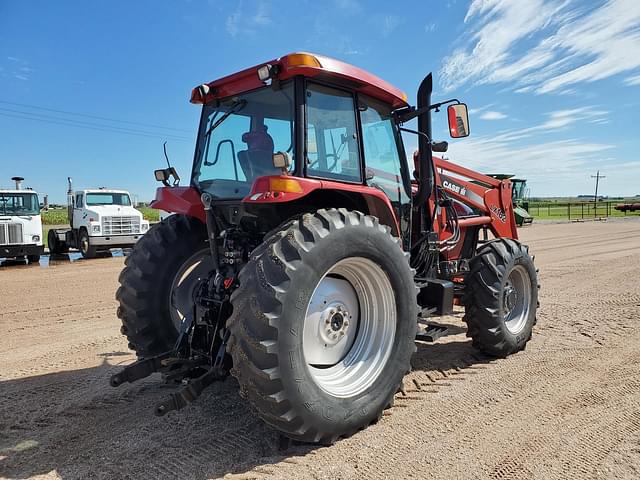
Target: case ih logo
[(454, 188), (498, 213)]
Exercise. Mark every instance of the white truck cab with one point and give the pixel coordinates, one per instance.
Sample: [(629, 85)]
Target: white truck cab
[(20, 223), (100, 219)]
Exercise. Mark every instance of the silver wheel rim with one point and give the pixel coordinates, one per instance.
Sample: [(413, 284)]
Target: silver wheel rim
[(516, 299), (349, 327), (84, 245), (183, 287)]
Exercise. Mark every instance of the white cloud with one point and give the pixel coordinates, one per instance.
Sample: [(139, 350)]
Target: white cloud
[(545, 45), (556, 121), (349, 6), (18, 68), (389, 24), (241, 22), (552, 167), (492, 115), (635, 80), (430, 27)]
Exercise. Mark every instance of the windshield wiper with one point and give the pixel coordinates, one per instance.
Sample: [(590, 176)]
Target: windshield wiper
[(234, 109)]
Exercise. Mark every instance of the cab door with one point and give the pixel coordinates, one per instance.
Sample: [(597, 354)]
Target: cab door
[(78, 206), (385, 163)]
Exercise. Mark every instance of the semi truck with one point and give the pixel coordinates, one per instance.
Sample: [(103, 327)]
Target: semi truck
[(20, 223), (99, 219)]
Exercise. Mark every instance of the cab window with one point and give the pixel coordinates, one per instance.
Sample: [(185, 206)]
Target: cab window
[(332, 140), (381, 149)]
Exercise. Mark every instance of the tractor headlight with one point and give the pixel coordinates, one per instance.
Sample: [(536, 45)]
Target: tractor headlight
[(145, 227), (35, 238), (95, 228)]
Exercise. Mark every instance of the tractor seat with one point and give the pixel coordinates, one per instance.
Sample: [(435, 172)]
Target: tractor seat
[(256, 163), (257, 159)]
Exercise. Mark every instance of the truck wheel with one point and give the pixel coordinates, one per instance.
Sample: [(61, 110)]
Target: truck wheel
[(501, 297), (158, 281), (56, 247), (323, 325), (33, 258), (87, 250)]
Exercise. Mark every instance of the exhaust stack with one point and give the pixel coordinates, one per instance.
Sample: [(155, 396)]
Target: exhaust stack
[(18, 181), (70, 201)]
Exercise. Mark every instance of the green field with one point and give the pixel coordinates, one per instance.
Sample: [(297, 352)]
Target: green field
[(563, 210), (59, 216)]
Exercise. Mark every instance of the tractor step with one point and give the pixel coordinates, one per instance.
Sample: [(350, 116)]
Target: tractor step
[(430, 332)]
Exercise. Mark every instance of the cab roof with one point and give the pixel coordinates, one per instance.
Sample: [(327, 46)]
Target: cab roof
[(101, 190), (308, 65), (24, 190)]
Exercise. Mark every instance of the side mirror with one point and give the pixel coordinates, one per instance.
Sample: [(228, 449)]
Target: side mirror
[(164, 174), (281, 160), (458, 116)]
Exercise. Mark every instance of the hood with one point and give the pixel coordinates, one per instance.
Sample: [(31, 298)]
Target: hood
[(114, 210)]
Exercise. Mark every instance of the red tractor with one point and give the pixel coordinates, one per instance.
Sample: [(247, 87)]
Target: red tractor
[(306, 250)]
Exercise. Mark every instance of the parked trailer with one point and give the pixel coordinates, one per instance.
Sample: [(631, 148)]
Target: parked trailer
[(628, 207), (100, 219), (20, 223)]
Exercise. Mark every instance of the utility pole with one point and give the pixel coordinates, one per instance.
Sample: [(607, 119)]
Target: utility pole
[(597, 176)]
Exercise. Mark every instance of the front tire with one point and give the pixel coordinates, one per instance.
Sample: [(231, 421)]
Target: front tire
[(87, 250), (33, 258), (323, 325), (501, 297), (158, 281)]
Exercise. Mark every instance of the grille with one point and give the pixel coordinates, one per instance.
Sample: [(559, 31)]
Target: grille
[(10, 233), (120, 225)]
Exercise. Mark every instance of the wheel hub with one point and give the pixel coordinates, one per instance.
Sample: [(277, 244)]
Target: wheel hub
[(510, 298), (185, 285), (336, 324), (332, 318), (516, 299)]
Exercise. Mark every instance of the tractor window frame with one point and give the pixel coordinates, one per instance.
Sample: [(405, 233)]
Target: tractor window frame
[(304, 133), (297, 87)]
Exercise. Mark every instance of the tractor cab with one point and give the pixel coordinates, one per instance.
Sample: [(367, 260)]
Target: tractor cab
[(306, 130)]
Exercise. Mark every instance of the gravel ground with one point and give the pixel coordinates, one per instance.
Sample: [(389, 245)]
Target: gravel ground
[(568, 407)]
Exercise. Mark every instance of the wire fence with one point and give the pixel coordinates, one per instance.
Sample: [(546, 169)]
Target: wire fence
[(577, 210)]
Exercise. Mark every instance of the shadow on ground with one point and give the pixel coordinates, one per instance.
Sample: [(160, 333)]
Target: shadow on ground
[(73, 423)]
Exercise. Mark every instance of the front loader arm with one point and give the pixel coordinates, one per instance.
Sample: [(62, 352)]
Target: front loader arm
[(490, 197)]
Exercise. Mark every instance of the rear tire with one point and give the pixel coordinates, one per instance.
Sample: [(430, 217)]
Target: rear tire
[(280, 337), (147, 283), (56, 247), (501, 297)]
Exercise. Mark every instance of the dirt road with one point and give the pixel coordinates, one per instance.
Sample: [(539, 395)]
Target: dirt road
[(568, 407)]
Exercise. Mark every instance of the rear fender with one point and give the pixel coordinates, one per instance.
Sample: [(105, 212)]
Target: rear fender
[(315, 194), (185, 200)]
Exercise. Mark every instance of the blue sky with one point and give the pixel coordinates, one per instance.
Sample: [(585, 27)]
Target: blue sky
[(92, 89)]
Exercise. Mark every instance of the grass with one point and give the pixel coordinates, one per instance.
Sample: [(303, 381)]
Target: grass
[(150, 214), (59, 216), (561, 211), (55, 217)]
